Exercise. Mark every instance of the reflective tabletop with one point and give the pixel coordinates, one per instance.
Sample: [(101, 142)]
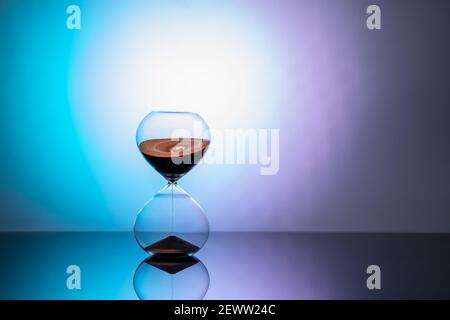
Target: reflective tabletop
[(110, 265)]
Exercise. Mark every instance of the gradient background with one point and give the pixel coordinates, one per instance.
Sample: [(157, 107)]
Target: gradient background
[(363, 115)]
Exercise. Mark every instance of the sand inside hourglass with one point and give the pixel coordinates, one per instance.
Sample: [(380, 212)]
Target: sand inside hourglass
[(172, 245), (173, 158)]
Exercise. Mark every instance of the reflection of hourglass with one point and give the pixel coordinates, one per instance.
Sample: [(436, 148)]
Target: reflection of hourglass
[(172, 223), (171, 278)]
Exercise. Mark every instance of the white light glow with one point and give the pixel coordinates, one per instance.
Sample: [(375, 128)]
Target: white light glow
[(209, 60), (206, 62)]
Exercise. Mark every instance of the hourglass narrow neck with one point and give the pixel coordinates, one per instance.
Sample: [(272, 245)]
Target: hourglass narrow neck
[(172, 188)]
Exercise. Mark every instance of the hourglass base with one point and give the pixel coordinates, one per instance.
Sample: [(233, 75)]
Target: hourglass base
[(172, 245)]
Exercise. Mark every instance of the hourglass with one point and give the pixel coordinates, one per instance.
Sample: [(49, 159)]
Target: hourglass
[(172, 222)]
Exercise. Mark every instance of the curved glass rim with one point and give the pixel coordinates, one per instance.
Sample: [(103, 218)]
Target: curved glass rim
[(186, 112)]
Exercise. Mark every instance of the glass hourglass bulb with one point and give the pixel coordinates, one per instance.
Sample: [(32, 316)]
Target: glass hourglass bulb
[(172, 222), (174, 278)]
